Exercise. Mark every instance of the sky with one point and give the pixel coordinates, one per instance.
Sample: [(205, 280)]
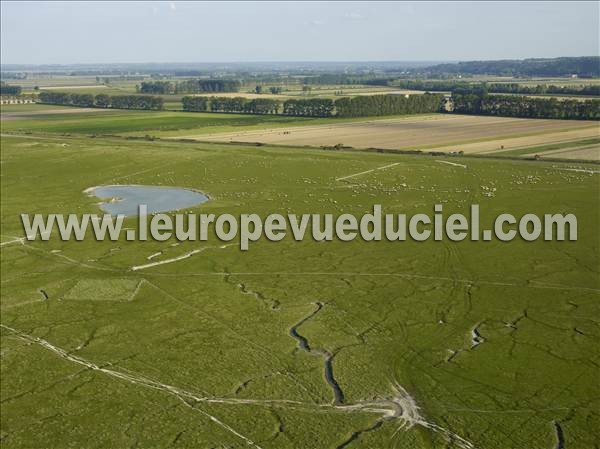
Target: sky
[(110, 32)]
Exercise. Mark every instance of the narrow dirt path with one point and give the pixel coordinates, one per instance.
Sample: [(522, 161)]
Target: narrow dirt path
[(367, 171), (178, 258), (453, 164)]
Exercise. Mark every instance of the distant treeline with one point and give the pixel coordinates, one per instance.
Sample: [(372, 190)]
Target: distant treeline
[(541, 89), (7, 89), (342, 78), (193, 86), (452, 85), (319, 107), (500, 88), (585, 66), (228, 104), (208, 85), (310, 107), (388, 105), (157, 87), (528, 107), (102, 100), (13, 76), (313, 107)]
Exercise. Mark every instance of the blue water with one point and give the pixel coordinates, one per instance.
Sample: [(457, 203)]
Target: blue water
[(157, 199)]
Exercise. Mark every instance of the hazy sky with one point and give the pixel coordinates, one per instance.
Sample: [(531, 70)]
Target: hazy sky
[(99, 32)]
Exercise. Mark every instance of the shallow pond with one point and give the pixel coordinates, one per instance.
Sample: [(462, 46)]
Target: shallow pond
[(125, 200)]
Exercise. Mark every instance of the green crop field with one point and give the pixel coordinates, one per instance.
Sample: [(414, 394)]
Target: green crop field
[(51, 119), (309, 345), (154, 123)]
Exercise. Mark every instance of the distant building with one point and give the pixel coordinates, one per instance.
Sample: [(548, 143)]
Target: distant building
[(5, 99), (447, 104)]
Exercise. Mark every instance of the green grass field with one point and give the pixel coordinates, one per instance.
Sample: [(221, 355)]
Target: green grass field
[(149, 122), (156, 123), (205, 352), (62, 120)]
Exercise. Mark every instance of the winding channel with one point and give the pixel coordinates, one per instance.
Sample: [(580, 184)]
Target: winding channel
[(338, 394)]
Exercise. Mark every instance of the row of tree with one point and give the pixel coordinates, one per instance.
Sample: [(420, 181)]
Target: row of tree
[(388, 105), (519, 106), (521, 89), (157, 87), (313, 107), (500, 88), (192, 86), (342, 78), (452, 85), (310, 107), (7, 89), (541, 89), (319, 107), (208, 85), (102, 100)]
